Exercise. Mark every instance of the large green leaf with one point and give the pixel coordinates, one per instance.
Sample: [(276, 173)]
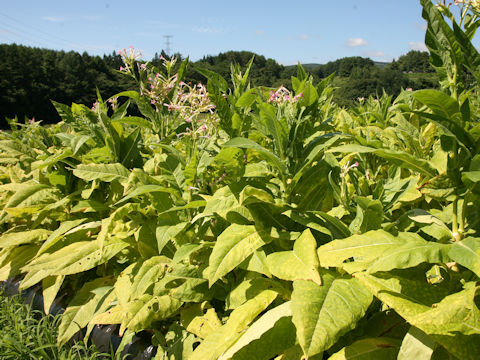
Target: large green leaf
[(323, 313), (72, 259), (467, 253), (369, 349), (59, 232), (381, 251), (272, 333), (14, 258), (23, 237), (94, 297), (416, 345), (232, 247), (217, 342), (406, 291), (266, 154), (250, 288), (299, 264), (51, 286), (103, 172), (138, 314), (200, 319), (139, 278)]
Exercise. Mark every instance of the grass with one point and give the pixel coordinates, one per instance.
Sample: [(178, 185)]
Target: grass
[(26, 333)]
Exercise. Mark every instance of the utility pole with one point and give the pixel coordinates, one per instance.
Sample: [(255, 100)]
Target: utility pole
[(167, 43)]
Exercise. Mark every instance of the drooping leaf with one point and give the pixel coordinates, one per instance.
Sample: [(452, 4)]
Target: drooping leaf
[(92, 298), (220, 340), (272, 333), (51, 285), (323, 313)]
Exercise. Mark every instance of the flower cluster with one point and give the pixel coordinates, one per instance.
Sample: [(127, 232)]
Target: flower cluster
[(193, 106), (158, 87), (282, 95), (129, 57)]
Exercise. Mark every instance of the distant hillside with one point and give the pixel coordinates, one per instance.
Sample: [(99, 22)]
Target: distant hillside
[(381, 64), (30, 77)]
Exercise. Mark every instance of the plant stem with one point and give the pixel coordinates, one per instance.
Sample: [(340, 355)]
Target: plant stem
[(455, 233)]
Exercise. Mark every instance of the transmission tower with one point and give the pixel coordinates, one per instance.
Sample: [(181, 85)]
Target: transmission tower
[(167, 43)]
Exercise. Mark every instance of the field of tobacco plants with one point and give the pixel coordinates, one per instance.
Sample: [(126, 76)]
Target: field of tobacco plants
[(230, 222)]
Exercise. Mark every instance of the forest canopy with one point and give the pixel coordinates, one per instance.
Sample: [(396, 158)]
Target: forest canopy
[(31, 77)]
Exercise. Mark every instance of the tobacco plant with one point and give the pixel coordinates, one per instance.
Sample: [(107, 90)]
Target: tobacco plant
[(230, 222)]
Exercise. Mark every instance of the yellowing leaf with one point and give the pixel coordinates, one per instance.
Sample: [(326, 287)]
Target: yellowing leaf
[(323, 313), (300, 264), (233, 246), (221, 339)]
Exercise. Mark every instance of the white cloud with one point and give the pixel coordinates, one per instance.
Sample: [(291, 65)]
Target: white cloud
[(417, 45), (303, 37), (355, 42), (375, 54), (259, 32), (53, 18), (4, 31)]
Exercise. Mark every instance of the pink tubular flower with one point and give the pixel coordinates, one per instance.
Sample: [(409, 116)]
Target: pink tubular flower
[(143, 66)]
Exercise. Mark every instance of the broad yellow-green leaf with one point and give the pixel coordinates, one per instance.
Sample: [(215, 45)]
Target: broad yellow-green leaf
[(370, 349), (13, 259), (57, 234), (257, 262), (102, 172), (467, 253), (94, 297), (416, 345), (251, 195), (381, 251), (139, 278), (138, 314), (72, 259), (146, 189), (200, 319), (223, 202), (186, 283), (23, 237), (233, 246), (456, 313), (309, 220), (396, 157), (220, 340), (451, 320), (406, 291), (115, 226), (300, 264), (51, 285), (323, 313), (272, 333), (250, 288), (273, 159)]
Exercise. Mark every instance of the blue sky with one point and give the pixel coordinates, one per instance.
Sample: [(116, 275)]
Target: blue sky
[(287, 31)]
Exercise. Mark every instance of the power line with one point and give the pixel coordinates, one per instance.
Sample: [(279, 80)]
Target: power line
[(20, 28)]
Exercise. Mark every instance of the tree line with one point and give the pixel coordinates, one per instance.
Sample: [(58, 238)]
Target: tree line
[(31, 77)]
